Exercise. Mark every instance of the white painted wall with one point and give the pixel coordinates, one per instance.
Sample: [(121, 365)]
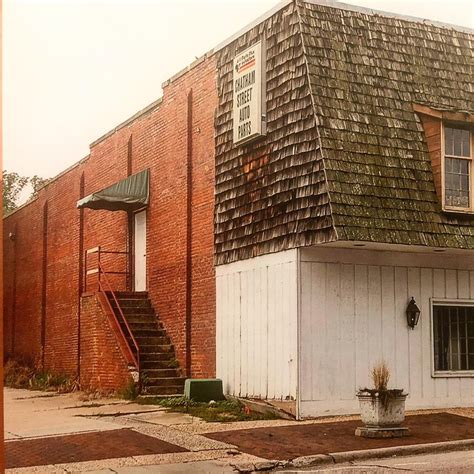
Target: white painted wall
[(352, 313), (256, 326)]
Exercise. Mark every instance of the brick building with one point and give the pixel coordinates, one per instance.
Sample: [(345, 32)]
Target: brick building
[(46, 240), (307, 178)]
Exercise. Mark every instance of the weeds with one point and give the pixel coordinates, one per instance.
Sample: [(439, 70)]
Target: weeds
[(129, 392), (380, 376), (221, 411), (22, 373)]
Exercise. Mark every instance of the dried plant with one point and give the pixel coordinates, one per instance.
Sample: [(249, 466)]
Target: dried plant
[(380, 376)]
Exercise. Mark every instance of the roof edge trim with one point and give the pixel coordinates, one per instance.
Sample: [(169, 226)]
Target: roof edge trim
[(455, 116), (123, 124), (265, 16)]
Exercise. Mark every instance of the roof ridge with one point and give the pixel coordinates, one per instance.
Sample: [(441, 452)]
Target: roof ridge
[(372, 11), (316, 119)]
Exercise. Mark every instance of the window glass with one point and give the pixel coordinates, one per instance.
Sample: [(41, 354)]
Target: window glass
[(453, 329), (457, 142), (457, 179), (466, 143), (448, 141)]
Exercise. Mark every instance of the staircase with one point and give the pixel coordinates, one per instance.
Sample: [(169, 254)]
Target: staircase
[(159, 369)]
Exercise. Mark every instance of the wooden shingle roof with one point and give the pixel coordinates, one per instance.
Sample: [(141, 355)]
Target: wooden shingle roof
[(366, 72), (344, 157)]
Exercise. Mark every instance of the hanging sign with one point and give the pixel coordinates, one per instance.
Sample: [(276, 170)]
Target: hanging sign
[(248, 94)]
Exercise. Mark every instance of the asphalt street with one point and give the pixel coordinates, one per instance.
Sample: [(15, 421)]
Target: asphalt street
[(451, 462)]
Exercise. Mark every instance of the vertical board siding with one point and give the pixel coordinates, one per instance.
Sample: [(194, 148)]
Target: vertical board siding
[(257, 327), (353, 315)]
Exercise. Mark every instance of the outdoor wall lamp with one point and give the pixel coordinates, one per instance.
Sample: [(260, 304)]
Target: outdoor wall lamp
[(12, 236), (413, 313)]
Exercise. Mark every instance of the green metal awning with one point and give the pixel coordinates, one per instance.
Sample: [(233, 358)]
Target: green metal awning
[(130, 194)]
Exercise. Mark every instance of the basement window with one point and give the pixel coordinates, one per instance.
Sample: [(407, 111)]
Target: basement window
[(458, 173), (453, 339)]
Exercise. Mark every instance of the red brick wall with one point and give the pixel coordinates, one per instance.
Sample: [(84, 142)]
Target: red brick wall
[(102, 363), (22, 276), (159, 142)]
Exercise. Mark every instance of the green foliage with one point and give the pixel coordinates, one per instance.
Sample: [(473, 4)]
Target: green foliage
[(129, 392), (37, 183), (21, 373), (14, 184), (172, 364), (221, 411)]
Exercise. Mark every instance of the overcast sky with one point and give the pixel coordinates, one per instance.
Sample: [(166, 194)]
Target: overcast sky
[(73, 69)]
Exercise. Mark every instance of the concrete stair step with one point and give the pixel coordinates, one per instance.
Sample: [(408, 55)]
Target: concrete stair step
[(131, 303), (133, 310), (141, 318), (156, 349), (147, 326), (163, 364), (156, 356), (151, 374), (145, 341), (165, 382), (141, 333), (130, 294), (164, 390)]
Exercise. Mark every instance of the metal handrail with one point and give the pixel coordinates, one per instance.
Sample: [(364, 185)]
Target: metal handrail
[(107, 288), (136, 359), (99, 251)]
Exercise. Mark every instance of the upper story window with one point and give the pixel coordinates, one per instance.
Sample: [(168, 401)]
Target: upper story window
[(449, 136), (458, 173)]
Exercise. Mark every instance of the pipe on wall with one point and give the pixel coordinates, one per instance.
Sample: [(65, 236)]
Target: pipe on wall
[(189, 228), (44, 281), (82, 186)]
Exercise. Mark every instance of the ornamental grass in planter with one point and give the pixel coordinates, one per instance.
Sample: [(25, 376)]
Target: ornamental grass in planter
[(380, 406)]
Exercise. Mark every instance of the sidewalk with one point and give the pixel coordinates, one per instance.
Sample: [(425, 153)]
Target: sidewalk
[(64, 433)]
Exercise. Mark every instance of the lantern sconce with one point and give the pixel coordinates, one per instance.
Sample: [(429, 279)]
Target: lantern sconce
[(413, 313)]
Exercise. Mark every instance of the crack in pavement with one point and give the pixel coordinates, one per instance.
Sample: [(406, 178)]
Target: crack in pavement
[(379, 465)]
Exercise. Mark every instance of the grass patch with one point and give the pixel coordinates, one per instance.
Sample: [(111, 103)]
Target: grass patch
[(129, 392), (221, 411), (20, 373)]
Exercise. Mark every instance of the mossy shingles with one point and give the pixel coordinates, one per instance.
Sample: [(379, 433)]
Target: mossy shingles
[(344, 156), (366, 71)]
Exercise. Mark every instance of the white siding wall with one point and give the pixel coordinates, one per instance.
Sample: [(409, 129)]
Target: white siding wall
[(257, 326), (352, 314)]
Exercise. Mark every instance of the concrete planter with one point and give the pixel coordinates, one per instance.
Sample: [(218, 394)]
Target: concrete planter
[(381, 409)]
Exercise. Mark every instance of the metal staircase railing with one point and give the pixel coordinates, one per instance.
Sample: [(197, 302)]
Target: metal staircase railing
[(117, 317)]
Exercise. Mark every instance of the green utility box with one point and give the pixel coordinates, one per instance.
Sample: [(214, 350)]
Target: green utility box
[(203, 390)]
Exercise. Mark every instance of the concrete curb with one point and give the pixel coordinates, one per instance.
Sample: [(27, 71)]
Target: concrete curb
[(409, 450)]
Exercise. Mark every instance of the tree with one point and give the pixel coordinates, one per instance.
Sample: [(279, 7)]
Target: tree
[(13, 185), (37, 182)]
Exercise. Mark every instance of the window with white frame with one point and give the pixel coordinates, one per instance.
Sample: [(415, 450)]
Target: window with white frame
[(453, 333), (458, 168)]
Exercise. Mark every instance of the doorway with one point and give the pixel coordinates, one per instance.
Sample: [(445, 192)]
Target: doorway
[(140, 251)]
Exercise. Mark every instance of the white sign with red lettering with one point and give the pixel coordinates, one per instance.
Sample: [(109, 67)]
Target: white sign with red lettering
[(248, 107)]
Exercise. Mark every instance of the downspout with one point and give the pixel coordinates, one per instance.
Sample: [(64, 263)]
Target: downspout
[(15, 261), (81, 275), (129, 282), (44, 281), (189, 228)]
